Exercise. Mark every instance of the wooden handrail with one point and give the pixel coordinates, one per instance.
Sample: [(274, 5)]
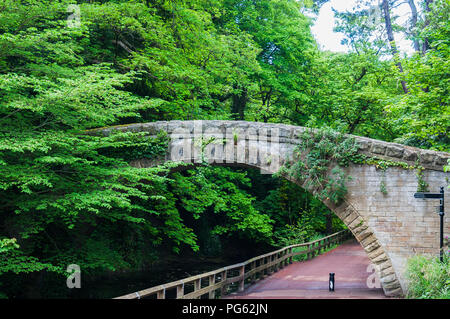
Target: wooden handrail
[(262, 265)]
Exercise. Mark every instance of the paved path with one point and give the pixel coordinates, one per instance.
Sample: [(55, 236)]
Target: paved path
[(309, 279)]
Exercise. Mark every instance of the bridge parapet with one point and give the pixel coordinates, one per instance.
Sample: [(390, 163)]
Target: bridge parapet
[(287, 137)]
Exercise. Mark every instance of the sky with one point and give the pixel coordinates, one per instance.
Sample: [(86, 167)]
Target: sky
[(329, 40)]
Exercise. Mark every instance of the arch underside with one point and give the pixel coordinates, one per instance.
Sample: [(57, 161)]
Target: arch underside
[(345, 211)]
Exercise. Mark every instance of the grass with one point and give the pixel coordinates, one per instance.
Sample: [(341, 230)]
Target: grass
[(428, 278)]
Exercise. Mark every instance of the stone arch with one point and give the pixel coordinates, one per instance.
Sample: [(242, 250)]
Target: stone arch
[(389, 228)]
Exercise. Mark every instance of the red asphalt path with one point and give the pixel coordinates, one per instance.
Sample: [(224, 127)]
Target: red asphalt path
[(309, 279)]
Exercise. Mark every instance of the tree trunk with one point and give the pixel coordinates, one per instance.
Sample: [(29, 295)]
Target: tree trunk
[(413, 30), (329, 223), (426, 44), (239, 103), (390, 34)]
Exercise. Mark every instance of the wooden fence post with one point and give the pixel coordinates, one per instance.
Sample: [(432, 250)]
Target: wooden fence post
[(223, 290), (180, 291), (198, 286), (275, 260), (286, 257), (242, 278), (161, 294), (253, 267), (212, 282), (266, 269)]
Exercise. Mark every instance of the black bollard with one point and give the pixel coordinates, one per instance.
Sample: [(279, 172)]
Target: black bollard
[(331, 282)]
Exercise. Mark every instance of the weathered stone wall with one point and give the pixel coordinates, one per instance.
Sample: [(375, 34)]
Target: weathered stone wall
[(402, 224), (391, 227)]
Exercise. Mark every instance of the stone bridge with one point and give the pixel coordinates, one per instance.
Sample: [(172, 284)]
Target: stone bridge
[(391, 226)]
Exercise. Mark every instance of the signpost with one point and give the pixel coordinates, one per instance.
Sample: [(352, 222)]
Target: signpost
[(440, 196)]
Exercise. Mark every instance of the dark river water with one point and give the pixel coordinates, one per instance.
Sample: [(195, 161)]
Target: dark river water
[(117, 284)]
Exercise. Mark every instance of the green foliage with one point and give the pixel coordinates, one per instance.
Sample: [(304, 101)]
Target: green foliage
[(216, 191), (419, 118), (361, 34), (422, 185), (66, 194), (130, 146), (286, 50), (380, 163), (304, 257), (309, 226), (348, 93), (290, 235), (13, 260), (383, 188), (447, 167), (422, 117), (428, 277)]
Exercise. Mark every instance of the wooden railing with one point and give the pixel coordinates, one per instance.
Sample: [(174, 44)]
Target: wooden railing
[(220, 282)]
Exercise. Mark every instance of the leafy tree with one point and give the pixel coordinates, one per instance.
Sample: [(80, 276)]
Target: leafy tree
[(216, 191), (421, 118), (62, 195), (282, 33)]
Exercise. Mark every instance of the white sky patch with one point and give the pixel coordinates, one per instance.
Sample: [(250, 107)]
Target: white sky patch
[(331, 41)]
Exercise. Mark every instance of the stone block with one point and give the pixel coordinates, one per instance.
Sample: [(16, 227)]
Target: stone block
[(441, 160), (371, 247), (394, 151), (154, 128), (351, 217), (363, 145), (398, 292), (378, 259), (378, 148), (363, 234), (357, 223), (387, 272), (370, 243), (427, 158), (409, 155), (389, 279)]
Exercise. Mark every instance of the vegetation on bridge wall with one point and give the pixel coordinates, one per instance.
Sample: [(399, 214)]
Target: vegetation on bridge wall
[(67, 197), (318, 162)]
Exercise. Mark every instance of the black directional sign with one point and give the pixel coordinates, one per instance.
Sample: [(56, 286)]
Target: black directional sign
[(429, 195)]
